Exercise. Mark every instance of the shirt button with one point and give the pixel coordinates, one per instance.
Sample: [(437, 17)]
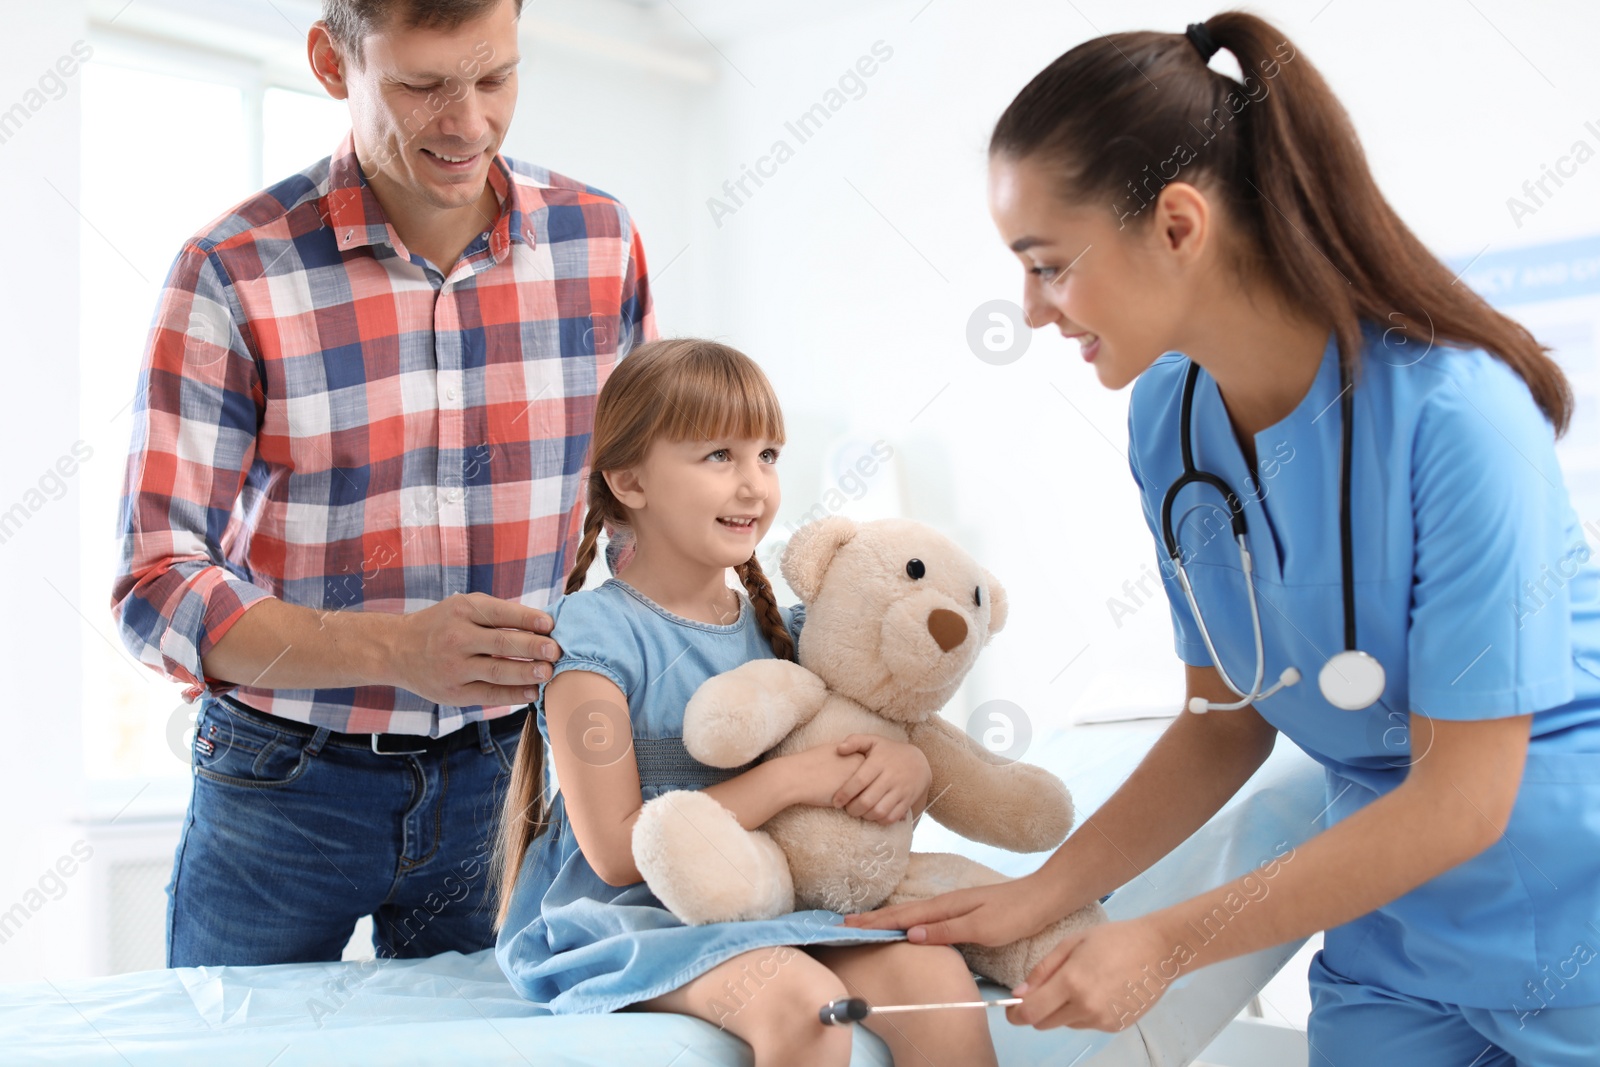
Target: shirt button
[(450, 393)]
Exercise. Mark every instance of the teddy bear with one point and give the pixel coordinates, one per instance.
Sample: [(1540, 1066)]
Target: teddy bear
[(895, 616)]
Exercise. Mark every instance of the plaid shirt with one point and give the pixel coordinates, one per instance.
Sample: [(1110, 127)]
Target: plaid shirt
[(323, 418)]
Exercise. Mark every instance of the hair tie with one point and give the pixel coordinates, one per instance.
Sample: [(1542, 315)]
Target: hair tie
[(1201, 39)]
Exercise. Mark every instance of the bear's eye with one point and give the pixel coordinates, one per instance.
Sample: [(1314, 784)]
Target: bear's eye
[(915, 568), (977, 595)]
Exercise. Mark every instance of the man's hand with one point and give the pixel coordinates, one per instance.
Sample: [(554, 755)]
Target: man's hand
[(474, 649), (894, 776)]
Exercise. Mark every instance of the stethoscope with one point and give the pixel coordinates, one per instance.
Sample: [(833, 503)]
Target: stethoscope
[(1351, 679)]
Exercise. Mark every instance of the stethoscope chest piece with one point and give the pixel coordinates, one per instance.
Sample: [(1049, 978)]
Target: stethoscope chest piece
[(1351, 680)]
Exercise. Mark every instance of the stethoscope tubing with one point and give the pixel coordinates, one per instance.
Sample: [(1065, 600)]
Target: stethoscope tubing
[(1352, 679)]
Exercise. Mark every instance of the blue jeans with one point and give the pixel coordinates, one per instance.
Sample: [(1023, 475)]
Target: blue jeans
[(294, 833)]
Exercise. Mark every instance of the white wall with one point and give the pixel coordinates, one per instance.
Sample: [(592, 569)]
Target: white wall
[(40, 767), (622, 129)]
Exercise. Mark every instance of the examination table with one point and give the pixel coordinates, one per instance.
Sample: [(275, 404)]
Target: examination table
[(460, 1010)]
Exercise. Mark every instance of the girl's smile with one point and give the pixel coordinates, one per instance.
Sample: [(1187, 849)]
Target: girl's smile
[(700, 506)]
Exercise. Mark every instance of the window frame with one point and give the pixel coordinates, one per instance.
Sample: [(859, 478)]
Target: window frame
[(253, 76)]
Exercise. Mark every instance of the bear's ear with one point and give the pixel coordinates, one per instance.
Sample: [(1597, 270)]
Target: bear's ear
[(810, 551), (997, 602)]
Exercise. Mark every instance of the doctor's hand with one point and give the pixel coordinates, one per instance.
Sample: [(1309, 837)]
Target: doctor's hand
[(894, 776), (985, 915), (1103, 978)]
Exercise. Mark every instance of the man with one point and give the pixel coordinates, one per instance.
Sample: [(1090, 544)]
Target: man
[(356, 475)]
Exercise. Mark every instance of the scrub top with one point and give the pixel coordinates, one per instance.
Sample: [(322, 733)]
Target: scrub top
[(1474, 589)]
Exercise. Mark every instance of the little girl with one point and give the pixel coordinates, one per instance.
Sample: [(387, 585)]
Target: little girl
[(686, 437)]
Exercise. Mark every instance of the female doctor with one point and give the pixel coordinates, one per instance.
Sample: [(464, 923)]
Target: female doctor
[(1317, 394)]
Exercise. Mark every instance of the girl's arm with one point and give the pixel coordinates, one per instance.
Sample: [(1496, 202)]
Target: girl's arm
[(893, 782), (591, 744)]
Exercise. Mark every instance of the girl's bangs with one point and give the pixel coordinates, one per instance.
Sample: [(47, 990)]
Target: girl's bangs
[(714, 399)]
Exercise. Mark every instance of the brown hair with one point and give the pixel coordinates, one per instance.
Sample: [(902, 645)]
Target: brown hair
[(350, 21), (673, 390), (1280, 152)]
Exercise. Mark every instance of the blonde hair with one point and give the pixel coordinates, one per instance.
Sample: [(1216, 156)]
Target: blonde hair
[(674, 390)]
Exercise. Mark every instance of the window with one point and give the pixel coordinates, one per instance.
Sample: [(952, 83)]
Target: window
[(168, 146), (298, 129)]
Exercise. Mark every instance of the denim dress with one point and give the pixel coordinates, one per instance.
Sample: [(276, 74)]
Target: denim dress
[(570, 942)]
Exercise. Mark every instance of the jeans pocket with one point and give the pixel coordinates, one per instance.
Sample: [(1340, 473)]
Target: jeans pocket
[(231, 749), (505, 749)]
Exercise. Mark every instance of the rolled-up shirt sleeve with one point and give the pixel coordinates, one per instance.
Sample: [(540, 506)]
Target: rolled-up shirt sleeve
[(197, 408)]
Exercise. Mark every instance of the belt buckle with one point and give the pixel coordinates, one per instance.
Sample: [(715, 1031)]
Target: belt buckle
[(395, 751)]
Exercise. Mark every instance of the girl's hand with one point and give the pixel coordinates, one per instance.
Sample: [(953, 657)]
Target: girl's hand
[(985, 915), (1085, 981), (819, 772), (895, 775)]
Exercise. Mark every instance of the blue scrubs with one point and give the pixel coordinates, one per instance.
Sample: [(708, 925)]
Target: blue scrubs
[(1475, 589)]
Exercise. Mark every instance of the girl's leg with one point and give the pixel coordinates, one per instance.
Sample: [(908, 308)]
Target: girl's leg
[(769, 998), (898, 972)]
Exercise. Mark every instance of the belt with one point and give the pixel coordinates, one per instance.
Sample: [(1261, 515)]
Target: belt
[(387, 744)]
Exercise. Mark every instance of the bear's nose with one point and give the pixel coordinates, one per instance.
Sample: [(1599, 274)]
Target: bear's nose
[(947, 628)]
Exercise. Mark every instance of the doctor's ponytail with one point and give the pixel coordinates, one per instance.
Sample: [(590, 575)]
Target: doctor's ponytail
[(1119, 116)]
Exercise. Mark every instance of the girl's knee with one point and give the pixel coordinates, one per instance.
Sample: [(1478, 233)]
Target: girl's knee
[(783, 1024), (769, 998), (761, 976)]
